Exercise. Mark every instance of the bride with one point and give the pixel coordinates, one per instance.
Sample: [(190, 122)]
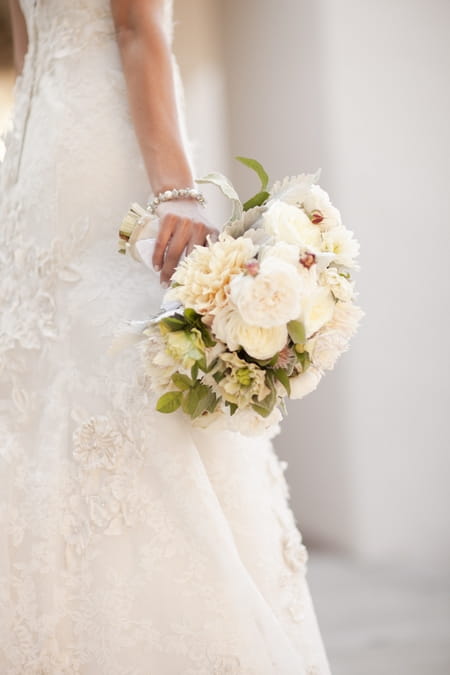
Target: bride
[(130, 544)]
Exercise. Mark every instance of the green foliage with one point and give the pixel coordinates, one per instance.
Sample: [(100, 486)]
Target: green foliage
[(258, 168), (169, 402), (198, 399), (257, 200), (262, 195), (283, 377), (181, 381), (304, 359), (174, 322), (296, 332), (232, 406)]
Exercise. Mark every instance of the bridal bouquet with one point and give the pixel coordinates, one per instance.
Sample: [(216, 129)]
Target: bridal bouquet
[(259, 314)]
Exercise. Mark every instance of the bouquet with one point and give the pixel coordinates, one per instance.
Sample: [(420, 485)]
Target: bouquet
[(258, 315)]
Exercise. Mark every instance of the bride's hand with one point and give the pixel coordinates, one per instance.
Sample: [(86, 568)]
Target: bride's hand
[(182, 225)]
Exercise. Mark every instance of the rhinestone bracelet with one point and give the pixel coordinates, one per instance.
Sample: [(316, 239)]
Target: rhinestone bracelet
[(168, 195)]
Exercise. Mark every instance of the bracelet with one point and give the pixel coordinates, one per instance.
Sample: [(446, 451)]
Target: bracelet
[(168, 195)]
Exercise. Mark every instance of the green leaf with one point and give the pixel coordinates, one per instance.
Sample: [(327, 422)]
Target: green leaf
[(264, 412), (198, 399), (202, 364), (169, 402), (283, 377), (304, 359), (232, 406), (174, 322), (212, 365), (296, 332), (194, 371), (218, 376), (206, 334), (257, 200), (256, 166), (181, 381), (190, 315)]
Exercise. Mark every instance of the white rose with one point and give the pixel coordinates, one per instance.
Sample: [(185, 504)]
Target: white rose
[(290, 253), (326, 348), (341, 243), (305, 383), (320, 209), (290, 223), (259, 342), (271, 297), (318, 309), (341, 287)]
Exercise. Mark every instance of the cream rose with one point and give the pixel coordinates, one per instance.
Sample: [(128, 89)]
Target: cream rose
[(261, 343), (271, 297), (290, 223), (305, 383)]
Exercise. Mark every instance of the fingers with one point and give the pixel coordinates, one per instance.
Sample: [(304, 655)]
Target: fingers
[(166, 229), (198, 237), (175, 247), (186, 235)]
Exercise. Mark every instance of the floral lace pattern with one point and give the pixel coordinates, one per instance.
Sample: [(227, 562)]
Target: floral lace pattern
[(129, 543)]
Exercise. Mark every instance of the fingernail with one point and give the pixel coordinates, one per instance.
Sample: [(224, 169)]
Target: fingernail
[(156, 268), (165, 284)]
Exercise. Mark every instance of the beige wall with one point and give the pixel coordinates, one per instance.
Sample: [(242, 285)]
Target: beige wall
[(361, 90)]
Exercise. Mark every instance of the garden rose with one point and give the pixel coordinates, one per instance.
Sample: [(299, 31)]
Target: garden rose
[(259, 342), (305, 383), (270, 298)]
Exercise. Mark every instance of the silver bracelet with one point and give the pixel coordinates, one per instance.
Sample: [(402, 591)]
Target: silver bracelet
[(168, 195)]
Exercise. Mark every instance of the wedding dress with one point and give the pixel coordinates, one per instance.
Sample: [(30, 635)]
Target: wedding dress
[(130, 543)]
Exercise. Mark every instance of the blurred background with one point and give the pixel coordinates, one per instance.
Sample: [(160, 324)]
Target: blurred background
[(358, 88)]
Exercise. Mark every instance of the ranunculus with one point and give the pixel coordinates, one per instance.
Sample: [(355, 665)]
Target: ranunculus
[(290, 223), (341, 287), (325, 348), (305, 383), (184, 346), (317, 309), (341, 243), (205, 274), (320, 209), (242, 380), (270, 298), (259, 342)]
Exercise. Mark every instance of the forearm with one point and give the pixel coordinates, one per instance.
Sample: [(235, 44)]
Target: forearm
[(20, 36), (147, 65)]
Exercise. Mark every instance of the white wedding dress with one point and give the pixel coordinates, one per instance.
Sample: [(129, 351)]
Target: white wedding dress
[(130, 544)]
